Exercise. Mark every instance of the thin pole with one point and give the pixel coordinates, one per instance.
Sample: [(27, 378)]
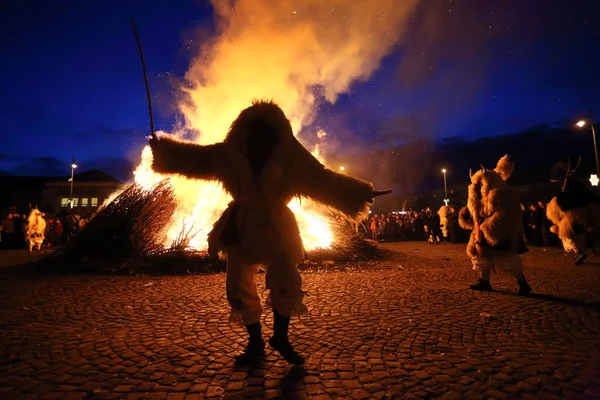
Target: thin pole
[(445, 189), (72, 176), (139, 44), (595, 147)]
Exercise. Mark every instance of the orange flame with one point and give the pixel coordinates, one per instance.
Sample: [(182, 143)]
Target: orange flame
[(200, 204)]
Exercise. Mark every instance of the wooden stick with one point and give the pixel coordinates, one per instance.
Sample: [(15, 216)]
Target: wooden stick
[(137, 39)]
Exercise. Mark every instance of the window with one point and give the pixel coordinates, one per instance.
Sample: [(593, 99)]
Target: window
[(75, 202), (84, 202), (64, 202), (94, 202)]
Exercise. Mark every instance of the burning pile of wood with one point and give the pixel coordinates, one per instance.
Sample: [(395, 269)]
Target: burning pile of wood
[(128, 235)]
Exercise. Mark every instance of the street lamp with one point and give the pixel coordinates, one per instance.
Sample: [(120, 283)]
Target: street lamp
[(581, 124), (73, 166), (445, 187)]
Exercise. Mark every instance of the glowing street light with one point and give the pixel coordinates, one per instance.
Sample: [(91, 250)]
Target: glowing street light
[(594, 180), (446, 200), (342, 168), (73, 166), (581, 124)]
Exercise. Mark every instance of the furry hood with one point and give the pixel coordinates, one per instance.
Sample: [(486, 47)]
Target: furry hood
[(505, 167), (485, 180), (264, 117), (575, 195)]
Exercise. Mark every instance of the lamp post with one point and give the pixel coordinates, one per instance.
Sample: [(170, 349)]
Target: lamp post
[(445, 187), (73, 166), (581, 124)]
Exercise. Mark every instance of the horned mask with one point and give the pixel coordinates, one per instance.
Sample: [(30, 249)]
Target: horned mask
[(486, 179)]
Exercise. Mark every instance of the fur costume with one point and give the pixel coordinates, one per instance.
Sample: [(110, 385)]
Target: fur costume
[(262, 166), (443, 212), (494, 215), (35, 230), (574, 213)]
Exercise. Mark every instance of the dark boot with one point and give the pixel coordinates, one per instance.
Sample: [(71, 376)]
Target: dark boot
[(280, 341), (524, 288), (580, 258), (255, 350), (482, 284)]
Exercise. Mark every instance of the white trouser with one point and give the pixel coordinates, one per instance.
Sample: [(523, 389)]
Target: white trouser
[(444, 226), (510, 264), (573, 244), (283, 280)]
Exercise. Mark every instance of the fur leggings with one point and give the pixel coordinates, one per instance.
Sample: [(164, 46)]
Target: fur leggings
[(510, 264), (283, 280)]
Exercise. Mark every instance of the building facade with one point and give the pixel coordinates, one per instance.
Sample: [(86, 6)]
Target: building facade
[(53, 194)]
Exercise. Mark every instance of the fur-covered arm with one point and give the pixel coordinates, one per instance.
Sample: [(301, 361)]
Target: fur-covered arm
[(465, 220), (188, 159), (312, 179), (505, 218)]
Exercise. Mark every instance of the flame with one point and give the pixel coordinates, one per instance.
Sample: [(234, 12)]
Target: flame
[(201, 203)]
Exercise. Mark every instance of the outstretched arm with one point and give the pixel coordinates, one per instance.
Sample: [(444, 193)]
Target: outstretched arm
[(346, 194), (465, 220), (194, 161)]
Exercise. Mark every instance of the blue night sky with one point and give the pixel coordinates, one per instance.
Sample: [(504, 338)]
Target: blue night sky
[(71, 81)]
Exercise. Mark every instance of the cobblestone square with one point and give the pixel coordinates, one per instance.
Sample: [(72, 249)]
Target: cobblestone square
[(404, 328)]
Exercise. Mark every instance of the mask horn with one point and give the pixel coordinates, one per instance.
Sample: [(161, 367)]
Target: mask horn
[(470, 173), (483, 168)]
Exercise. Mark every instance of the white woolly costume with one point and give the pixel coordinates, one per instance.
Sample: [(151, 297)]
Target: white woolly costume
[(494, 215), (35, 230), (574, 213), (258, 228), (443, 212)]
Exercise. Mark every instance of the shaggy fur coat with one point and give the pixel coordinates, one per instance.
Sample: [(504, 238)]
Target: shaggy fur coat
[(258, 224), (493, 213), (573, 212), (443, 212), (35, 229)]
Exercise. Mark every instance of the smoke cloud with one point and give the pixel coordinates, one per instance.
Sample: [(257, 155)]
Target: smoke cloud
[(295, 53)]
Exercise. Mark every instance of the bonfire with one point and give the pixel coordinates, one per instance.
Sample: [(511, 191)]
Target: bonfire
[(140, 229), (159, 217)]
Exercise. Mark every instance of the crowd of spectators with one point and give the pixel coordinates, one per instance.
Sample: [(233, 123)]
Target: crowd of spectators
[(60, 228), (441, 226)]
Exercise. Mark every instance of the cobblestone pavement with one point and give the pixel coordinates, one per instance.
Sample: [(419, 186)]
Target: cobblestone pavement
[(15, 257), (407, 328)]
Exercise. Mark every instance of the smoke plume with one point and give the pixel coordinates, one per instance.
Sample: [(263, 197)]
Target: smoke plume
[(295, 53)]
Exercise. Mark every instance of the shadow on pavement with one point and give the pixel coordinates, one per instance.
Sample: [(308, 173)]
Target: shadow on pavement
[(555, 299)]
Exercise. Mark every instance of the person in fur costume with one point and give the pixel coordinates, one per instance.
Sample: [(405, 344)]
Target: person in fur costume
[(494, 215), (575, 214), (443, 212), (35, 230), (263, 166)]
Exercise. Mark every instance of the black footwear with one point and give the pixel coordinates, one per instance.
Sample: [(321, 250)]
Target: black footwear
[(524, 288), (283, 347), (580, 258), (482, 285), (255, 351), (280, 341), (252, 355)]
